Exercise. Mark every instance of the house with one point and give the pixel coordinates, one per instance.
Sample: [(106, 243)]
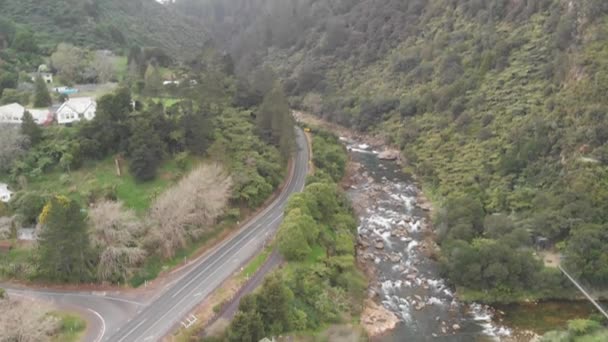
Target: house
[(76, 109), (46, 76), (11, 113), (5, 193)]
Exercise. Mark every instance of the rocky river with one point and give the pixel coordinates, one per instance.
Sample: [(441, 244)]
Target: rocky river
[(396, 246)]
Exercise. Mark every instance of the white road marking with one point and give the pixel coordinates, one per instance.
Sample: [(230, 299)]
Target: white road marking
[(132, 330), (68, 294), (103, 325)]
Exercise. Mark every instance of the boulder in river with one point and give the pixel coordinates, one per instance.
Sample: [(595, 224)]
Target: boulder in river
[(377, 320), (389, 155), (395, 257), (379, 245)]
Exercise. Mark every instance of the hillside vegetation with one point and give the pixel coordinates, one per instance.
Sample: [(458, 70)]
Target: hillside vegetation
[(499, 107), (107, 24)]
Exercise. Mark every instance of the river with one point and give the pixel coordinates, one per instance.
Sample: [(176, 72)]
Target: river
[(407, 280)]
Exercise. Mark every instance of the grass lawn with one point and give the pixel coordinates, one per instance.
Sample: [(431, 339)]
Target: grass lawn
[(165, 101), (100, 176), (120, 62), (71, 327), (255, 264), (18, 254)]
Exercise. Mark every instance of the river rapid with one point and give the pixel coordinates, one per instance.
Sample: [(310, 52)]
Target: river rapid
[(395, 244)]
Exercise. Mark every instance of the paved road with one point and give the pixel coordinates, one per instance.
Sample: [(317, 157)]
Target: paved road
[(272, 263), (168, 310), (103, 312)]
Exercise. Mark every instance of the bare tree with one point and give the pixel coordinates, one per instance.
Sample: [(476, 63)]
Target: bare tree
[(187, 210), (116, 232), (26, 321), (70, 61), (104, 66), (13, 144)]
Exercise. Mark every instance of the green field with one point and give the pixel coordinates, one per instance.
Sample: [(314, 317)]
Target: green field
[(101, 176), (71, 327)]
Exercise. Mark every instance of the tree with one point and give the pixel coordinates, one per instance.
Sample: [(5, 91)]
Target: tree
[(198, 129), (42, 98), (274, 302), (246, 327), (586, 253), (27, 206), (104, 67), (117, 233), (64, 247), (275, 123), (13, 145), (69, 61), (188, 210), (25, 41), (30, 128), (26, 321), (154, 81), (296, 233)]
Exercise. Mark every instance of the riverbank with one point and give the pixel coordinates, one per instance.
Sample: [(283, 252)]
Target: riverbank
[(399, 293)]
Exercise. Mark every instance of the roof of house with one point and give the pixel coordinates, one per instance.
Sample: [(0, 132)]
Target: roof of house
[(12, 109), (78, 104), (40, 115)]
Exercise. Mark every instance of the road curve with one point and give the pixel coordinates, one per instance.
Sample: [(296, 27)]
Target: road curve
[(168, 310)]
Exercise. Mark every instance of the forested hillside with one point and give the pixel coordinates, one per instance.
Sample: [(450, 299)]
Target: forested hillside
[(498, 105), (107, 24)]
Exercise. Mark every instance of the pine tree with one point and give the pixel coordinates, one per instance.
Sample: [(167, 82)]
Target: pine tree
[(64, 247), (146, 151), (275, 123), (198, 129), (42, 98), (30, 128), (154, 81)]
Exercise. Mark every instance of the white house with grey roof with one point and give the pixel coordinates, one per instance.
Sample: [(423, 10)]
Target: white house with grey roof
[(11, 113), (76, 109)]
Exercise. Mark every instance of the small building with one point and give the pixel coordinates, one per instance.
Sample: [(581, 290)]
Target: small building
[(5, 193), (11, 113), (76, 109), (46, 76)]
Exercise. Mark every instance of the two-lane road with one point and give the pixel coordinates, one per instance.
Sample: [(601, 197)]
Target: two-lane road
[(169, 310)]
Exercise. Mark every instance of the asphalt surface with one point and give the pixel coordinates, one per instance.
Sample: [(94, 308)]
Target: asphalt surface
[(253, 283), (103, 312), (169, 310)]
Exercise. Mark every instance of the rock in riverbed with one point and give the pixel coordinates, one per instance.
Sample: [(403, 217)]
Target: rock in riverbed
[(377, 320), (389, 155)]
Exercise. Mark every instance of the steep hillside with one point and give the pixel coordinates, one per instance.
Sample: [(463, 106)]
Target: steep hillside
[(107, 24), (499, 106)]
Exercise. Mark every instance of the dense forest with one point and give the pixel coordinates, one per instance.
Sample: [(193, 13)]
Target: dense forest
[(107, 24), (498, 106)]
